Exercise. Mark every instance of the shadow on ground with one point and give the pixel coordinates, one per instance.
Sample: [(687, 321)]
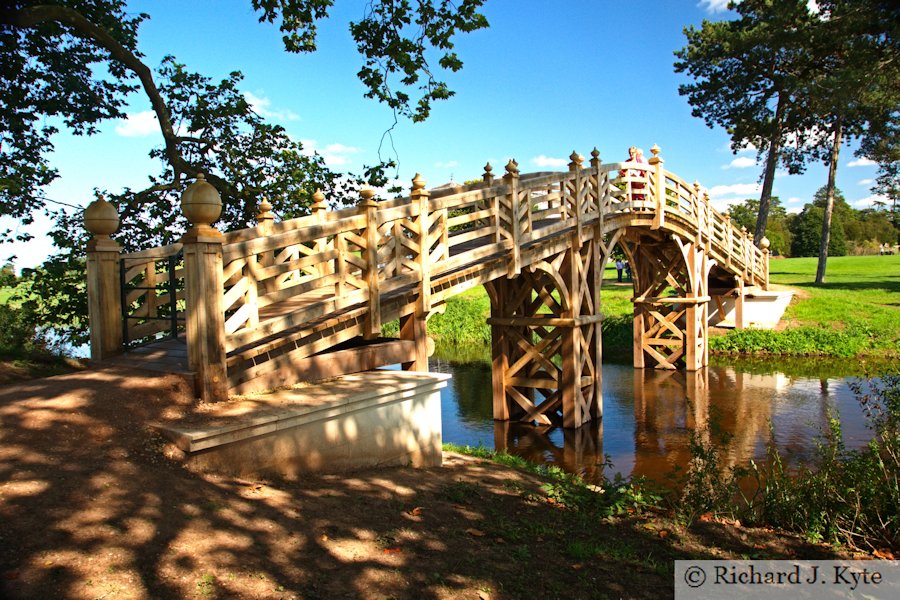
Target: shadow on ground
[(90, 507)]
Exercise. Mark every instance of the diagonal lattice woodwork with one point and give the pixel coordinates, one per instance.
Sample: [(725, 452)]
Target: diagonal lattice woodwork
[(546, 340), (671, 301)]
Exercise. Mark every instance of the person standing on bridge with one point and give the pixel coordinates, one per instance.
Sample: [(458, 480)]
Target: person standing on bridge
[(635, 155)]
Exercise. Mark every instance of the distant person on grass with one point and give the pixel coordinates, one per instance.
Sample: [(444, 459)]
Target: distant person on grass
[(619, 266)]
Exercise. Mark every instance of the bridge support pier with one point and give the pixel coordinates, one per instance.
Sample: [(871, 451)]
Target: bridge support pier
[(671, 303), (545, 328)]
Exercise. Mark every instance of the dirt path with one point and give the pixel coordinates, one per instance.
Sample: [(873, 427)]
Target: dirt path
[(90, 507)]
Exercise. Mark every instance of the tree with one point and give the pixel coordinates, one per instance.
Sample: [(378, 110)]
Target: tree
[(807, 227), (777, 232), (856, 50), (73, 64), (747, 76), (76, 61)]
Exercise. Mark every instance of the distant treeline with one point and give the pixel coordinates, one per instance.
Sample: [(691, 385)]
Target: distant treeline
[(853, 231)]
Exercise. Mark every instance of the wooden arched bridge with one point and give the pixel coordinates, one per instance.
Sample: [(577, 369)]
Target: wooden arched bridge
[(305, 299)]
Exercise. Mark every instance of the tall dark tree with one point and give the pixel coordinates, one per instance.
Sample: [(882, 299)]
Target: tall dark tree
[(747, 78), (856, 49)]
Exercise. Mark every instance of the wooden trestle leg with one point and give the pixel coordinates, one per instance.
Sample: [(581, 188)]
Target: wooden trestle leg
[(545, 327), (671, 303)]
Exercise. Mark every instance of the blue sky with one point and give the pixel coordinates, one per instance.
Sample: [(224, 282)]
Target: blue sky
[(548, 77)]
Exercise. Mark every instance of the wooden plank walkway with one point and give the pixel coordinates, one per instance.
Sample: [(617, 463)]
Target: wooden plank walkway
[(294, 289)]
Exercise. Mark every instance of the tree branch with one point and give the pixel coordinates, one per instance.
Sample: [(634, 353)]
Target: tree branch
[(82, 27)]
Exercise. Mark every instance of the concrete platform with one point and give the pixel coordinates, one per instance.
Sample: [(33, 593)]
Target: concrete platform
[(762, 309), (375, 418)]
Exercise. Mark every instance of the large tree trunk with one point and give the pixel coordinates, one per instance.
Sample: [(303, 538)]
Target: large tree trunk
[(829, 203), (769, 176)]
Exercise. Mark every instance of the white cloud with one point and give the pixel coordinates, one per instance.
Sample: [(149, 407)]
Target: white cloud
[(865, 182), (862, 162), (139, 124), (741, 162), (450, 164), (869, 201), (794, 200), (713, 6), (547, 161), (335, 155), (262, 106), (723, 196)]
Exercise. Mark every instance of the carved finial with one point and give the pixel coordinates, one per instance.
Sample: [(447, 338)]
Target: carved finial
[(264, 205), (319, 201), (512, 168), (654, 150), (744, 229), (368, 196), (488, 177), (201, 202), (577, 161), (418, 183), (101, 218), (696, 186), (764, 244), (595, 154)]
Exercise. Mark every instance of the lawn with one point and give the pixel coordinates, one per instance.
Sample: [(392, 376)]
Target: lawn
[(855, 313)]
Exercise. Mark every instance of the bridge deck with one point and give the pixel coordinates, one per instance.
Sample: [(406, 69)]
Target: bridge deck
[(297, 288)]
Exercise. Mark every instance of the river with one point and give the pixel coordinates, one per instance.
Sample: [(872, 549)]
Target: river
[(649, 415)]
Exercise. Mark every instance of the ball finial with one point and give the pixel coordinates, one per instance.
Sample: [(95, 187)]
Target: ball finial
[(418, 183), (201, 203), (101, 218)]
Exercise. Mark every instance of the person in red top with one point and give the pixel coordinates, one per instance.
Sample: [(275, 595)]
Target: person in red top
[(637, 187)]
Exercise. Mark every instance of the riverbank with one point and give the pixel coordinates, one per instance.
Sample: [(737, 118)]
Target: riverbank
[(90, 507), (854, 314)]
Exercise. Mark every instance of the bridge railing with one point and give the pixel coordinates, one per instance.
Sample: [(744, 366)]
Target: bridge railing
[(151, 284), (279, 276)]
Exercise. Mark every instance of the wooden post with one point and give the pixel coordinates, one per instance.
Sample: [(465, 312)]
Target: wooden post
[(319, 210), (373, 317), (659, 187), (515, 225), (202, 245), (764, 245), (739, 303), (498, 291), (413, 327), (598, 189), (575, 167), (103, 290), (265, 221), (488, 179)]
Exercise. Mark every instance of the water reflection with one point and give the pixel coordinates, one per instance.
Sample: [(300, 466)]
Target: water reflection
[(649, 416)]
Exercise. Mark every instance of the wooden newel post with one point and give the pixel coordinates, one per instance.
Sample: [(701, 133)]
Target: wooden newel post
[(202, 246), (104, 295), (659, 187), (577, 210), (413, 327), (764, 246), (515, 223), (370, 208)]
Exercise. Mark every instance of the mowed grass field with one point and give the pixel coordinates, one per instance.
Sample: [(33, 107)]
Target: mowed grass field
[(856, 312)]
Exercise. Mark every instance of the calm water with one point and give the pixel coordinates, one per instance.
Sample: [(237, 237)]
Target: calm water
[(648, 416)]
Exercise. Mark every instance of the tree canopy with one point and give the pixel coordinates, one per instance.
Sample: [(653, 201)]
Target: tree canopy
[(71, 64), (797, 80)]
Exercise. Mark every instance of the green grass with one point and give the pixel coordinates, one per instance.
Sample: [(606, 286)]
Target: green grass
[(855, 313)]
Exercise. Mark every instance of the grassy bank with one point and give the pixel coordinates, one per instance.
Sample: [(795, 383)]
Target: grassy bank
[(854, 314)]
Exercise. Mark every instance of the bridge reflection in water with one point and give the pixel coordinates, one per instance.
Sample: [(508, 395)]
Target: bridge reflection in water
[(650, 416)]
